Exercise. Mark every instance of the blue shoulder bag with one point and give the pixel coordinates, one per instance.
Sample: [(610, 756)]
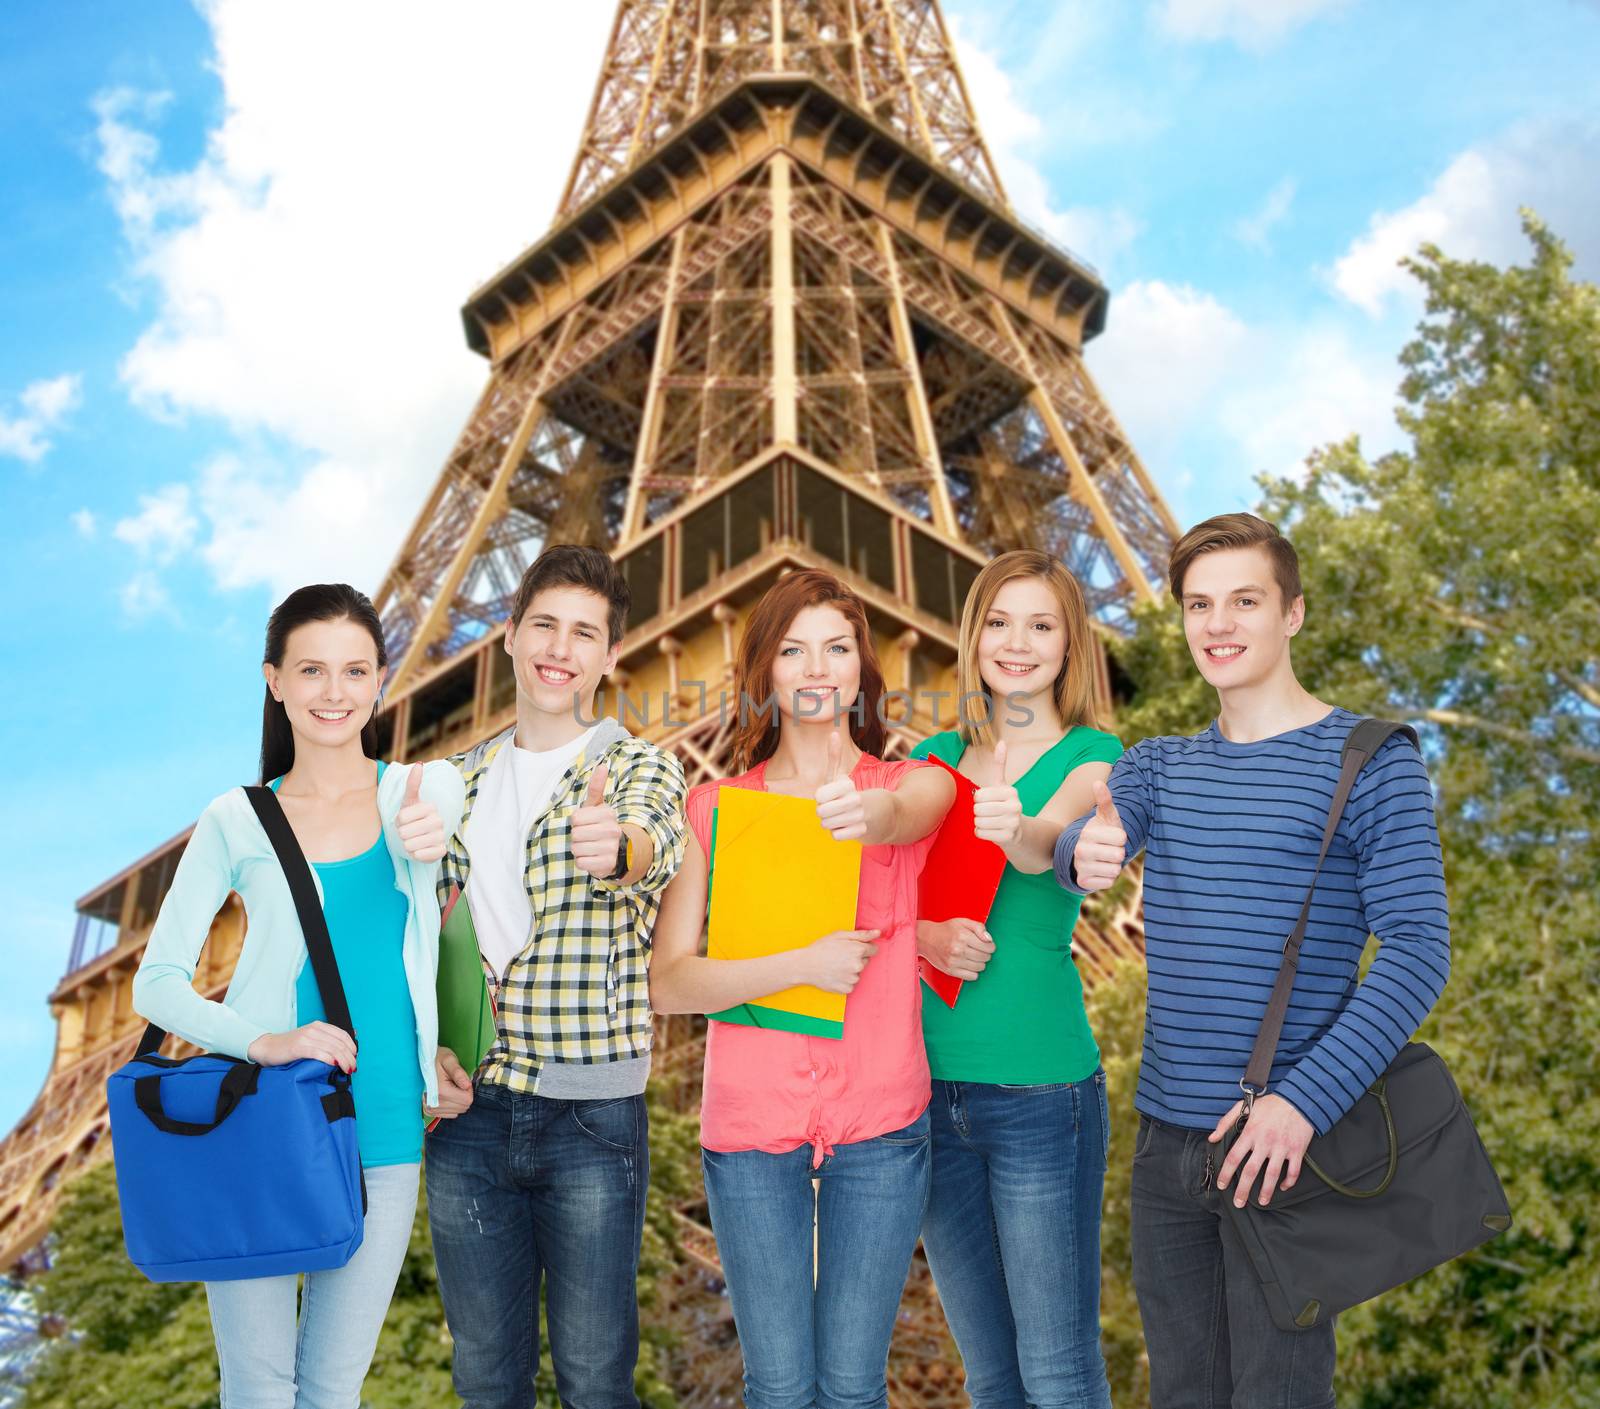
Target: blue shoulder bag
[(227, 1169)]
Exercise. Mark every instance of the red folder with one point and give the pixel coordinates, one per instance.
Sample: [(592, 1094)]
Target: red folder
[(959, 878)]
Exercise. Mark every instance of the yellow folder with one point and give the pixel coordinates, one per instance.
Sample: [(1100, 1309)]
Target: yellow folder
[(778, 882)]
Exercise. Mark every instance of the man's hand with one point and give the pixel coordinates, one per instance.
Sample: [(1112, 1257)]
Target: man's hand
[(455, 1087), (420, 827), (840, 807), (596, 830), (962, 948), (1102, 844), (1272, 1144), (997, 808)]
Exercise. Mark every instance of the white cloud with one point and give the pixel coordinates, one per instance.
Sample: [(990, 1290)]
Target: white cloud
[(1471, 211), (1013, 133), (1307, 387), (85, 522), (1211, 400), (44, 404), (143, 595), (1166, 351), (164, 527), (1256, 228), (308, 269), (296, 528), (1251, 24)]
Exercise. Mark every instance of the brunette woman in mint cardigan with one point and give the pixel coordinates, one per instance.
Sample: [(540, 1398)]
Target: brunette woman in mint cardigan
[(374, 837)]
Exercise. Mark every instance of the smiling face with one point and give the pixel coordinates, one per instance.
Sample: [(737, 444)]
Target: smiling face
[(328, 682), (816, 673), (1236, 621), (1022, 645), (559, 651)]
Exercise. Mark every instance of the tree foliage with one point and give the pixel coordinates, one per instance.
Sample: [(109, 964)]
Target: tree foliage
[(1456, 584), (135, 1344)]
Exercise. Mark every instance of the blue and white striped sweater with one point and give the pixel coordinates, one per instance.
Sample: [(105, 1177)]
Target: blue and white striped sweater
[(1230, 834)]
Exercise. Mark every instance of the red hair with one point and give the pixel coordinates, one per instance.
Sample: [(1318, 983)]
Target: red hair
[(756, 737)]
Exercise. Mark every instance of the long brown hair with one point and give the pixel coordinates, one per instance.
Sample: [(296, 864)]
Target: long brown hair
[(1074, 685), (756, 737)]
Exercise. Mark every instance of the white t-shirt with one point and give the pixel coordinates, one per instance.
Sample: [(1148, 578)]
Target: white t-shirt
[(514, 791)]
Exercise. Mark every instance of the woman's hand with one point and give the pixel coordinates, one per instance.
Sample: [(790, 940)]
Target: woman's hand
[(841, 808), (835, 962), (420, 827), (997, 808), (455, 1087), (321, 1041), (962, 948)]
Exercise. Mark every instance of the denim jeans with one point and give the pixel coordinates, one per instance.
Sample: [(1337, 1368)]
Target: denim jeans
[(269, 1361), (814, 1328), (1013, 1238), (523, 1188), (1210, 1336)]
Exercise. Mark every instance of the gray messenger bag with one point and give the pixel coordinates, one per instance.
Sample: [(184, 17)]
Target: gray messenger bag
[(1399, 1185)]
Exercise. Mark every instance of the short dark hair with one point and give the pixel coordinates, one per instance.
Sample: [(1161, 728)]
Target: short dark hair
[(569, 565), (1236, 531)]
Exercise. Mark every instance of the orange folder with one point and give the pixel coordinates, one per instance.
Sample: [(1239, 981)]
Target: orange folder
[(778, 881)]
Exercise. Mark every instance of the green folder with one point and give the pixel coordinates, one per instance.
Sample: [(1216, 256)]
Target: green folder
[(466, 1016)]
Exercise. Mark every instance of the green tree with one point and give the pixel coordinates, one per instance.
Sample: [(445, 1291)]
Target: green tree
[(1116, 1011), (1456, 584), (131, 1343), (135, 1344)]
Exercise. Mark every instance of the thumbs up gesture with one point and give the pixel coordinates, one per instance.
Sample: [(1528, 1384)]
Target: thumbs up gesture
[(1102, 844), (840, 808), (420, 827), (997, 808), (596, 829)]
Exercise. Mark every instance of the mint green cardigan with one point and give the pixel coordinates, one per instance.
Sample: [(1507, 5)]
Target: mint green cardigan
[(228, 851)]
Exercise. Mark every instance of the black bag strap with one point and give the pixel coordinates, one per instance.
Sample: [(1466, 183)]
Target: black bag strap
[(313, 923), (1362, 743)]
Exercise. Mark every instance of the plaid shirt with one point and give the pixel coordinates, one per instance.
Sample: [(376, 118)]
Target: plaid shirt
[(580, 990)]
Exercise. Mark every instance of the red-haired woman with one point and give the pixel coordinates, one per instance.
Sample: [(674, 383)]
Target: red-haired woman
[(782, 1109)]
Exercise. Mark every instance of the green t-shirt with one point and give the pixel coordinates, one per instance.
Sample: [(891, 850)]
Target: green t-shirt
[(1021, 1021)]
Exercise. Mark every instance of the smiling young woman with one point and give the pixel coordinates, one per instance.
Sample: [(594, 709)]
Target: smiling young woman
[(783, 1109), (373, 838), (1019, 1101)]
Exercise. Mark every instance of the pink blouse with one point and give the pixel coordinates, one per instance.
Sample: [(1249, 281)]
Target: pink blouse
[(775, 1091)]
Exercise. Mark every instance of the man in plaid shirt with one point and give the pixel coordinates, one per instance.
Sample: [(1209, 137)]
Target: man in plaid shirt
[(572, 830)]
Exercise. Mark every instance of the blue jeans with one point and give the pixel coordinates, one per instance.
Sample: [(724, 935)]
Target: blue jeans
[(1013, 1238), (268, 1360), (523, 1188), (1211, 1338), (814, 1329)]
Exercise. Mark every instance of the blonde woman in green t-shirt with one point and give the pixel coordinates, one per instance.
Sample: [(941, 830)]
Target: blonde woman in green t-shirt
[(1019, 1103)]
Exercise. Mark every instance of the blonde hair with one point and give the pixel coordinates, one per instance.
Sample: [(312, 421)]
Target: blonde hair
[(1074, 686)]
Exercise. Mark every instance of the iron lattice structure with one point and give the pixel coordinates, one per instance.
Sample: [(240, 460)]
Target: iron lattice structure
[(784, 317)]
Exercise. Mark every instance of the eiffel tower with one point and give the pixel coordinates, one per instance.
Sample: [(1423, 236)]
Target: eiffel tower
[(785, 316)]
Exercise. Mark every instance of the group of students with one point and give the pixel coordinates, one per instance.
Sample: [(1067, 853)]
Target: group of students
[(582, 860)]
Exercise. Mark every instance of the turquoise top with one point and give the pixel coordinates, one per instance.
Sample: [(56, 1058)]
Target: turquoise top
[(229, 851), (367, 923), (1021, 1021)]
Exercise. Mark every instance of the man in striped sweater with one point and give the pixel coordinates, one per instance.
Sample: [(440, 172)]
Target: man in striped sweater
[(1230, 821)]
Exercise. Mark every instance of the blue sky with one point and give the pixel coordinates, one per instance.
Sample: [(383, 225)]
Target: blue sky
[(234, 239)]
